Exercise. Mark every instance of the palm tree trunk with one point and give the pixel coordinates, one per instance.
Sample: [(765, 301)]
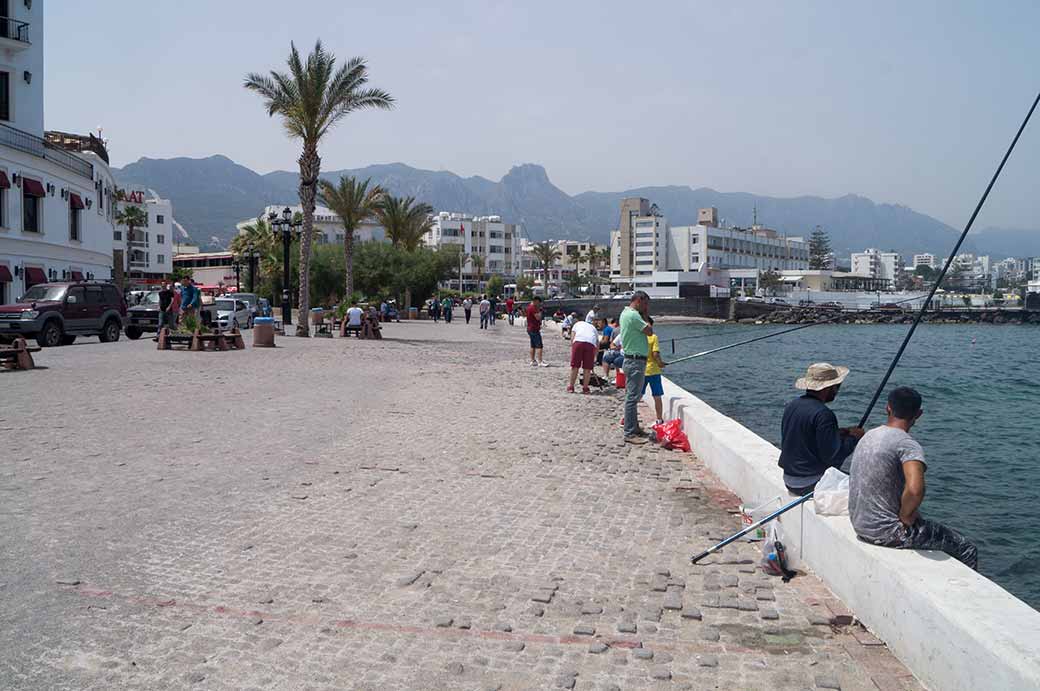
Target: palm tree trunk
[(310, 167), (348, 264)]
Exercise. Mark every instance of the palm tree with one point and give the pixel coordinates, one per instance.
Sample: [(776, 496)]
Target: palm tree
[(478, 262), (404, 220), (257, 237), (353, 202), (133, 217), (547, 253), (311, 98)]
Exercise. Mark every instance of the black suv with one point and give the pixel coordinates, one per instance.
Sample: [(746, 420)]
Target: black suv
[(56, 313)]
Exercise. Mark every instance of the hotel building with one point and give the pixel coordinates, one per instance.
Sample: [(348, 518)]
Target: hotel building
[(146, 258), (56, 189), (497, 242)]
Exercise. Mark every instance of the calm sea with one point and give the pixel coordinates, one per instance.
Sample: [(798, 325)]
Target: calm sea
[(980, 429)]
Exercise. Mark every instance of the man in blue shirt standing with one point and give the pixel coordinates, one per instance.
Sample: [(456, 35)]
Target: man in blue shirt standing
[(810, 439)]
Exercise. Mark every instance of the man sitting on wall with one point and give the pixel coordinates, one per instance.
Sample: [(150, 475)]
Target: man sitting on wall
[(887, 487), (810, 439)]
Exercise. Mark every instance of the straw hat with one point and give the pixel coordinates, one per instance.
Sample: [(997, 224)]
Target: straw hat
[(821, 375)]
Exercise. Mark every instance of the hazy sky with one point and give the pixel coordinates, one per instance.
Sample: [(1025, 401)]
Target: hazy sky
[(903, 102)]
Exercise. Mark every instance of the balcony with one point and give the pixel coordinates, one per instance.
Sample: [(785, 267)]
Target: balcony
[(14, 35), (31, 144)]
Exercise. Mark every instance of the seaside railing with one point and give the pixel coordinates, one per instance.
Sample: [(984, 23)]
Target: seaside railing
[(37, 146)]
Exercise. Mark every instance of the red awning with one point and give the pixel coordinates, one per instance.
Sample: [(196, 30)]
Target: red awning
[(5, 275), (77, 275), (5, 184), (33, 188), (75, 202), (33, 276)]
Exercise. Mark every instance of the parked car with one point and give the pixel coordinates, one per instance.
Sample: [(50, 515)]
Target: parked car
[(232, 312), (831, 305), (144, 316), (627, 295), (806, 303), (887, 306), (56, 313), (252, 300), (777, 301)]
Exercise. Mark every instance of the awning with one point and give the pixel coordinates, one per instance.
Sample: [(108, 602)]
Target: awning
[(5, 184), (77, 275), (33, 188), (791, 279), (76, 202), (5, 275), (33, 276)]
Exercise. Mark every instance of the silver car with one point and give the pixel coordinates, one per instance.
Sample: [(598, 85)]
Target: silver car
[(232, 313)]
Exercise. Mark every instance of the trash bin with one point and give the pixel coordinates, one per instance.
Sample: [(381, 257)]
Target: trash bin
[(263, 332), (317, 316), (413, 312)]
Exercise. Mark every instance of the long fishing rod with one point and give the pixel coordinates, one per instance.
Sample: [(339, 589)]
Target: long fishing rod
[(899, 354)]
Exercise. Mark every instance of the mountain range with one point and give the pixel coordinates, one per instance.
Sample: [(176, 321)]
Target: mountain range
[(210, 195)]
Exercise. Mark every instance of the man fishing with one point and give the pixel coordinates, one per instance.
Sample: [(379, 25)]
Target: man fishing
[(810, 439), (886, 488), (634, 333)]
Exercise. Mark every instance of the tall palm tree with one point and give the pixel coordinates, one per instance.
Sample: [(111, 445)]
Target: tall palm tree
[(133, 217), (257, 237), (353, 201), (547, 253), (478, 262), (311, 98), (404, 220)]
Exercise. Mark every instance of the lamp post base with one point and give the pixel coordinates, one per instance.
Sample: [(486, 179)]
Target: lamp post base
[(286, 314)]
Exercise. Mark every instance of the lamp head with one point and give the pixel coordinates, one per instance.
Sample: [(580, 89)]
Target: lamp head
[(287, 214)]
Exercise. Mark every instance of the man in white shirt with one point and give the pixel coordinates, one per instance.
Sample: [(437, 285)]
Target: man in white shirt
[(467, 308), (485, 311), (354, 315), (593, 314), (584, 344)]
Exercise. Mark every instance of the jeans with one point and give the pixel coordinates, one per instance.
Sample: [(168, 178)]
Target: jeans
[(511, 315), (468, 312), (483, 320), (926, 534), (614, 358), (635, 378), (447, 316), (167, 319)]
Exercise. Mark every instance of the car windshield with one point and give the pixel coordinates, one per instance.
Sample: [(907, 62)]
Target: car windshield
[(151, 298), (44, 293), (225, 305)]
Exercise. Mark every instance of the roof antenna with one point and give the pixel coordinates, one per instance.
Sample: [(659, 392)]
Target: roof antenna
[(754, 215)]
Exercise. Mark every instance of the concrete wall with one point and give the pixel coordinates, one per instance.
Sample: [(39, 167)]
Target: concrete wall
[(955, 629)]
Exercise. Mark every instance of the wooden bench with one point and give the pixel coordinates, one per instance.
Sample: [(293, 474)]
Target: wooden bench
[(345, 329), (231, 340), (18, 355)]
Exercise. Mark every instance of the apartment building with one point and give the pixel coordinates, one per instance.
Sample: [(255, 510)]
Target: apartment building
[(873, 263), (56, 218), (928, 260), (483, 239), (328, 226), (145, 256)]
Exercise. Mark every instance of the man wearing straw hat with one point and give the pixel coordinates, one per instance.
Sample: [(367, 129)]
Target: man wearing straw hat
[(810, 439)]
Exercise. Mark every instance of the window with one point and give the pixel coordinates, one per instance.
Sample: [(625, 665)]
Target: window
[(31, 193), (694, 239), (74, 224), (159, 219), (5, 93), (77, 295), (117, 235), (95, 296), (161, 239), (160, 258), (3, 207)]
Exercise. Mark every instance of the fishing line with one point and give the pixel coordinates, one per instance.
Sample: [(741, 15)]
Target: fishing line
[(895, 361)]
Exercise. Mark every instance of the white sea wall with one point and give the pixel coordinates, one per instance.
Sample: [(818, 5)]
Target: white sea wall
[(953, 628)]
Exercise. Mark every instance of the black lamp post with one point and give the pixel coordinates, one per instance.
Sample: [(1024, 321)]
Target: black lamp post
[(238, 271), (287, 229), (253, 256)]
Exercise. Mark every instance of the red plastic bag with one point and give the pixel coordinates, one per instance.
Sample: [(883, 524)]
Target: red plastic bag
[(671, 436)]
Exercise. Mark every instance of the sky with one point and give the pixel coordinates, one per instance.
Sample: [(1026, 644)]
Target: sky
[(906, 103)]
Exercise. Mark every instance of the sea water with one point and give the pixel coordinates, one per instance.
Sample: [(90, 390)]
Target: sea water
[(980, 429)]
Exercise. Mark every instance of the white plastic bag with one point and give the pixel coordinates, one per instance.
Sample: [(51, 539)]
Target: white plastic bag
[(753, 515), (831, 497)]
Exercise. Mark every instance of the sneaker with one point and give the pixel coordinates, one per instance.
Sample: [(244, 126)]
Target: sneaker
[(533, 363), (658, 422), (642, 433), (586, 389), (635, 440), (543, 364), (570, 389)]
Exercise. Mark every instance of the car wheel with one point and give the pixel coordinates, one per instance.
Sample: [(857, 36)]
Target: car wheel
[(50, 335), (133, 333), (110, 332), (68, 340)]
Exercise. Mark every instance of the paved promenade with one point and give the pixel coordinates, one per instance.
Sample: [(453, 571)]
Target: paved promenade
[(422, 512)]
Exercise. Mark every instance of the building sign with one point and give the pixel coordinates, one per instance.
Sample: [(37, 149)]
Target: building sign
[(135, 197)]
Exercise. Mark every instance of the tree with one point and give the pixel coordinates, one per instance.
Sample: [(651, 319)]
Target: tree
[(495, 285), (819, 249), (311, 98), (404, 220), (546, 253), (927, 273), (904, 280), (353, 201), (523, 286), (478, 262), (257, 237), (770, 280), (180, 273), (133, 217)]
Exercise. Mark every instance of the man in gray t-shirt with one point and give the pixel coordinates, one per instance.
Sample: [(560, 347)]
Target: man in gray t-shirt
[(886, 487)]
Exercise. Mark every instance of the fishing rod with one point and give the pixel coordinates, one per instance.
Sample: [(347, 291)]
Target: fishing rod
[(899, 354)]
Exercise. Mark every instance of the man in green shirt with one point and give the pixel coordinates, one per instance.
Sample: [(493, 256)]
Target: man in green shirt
[(634, 332)]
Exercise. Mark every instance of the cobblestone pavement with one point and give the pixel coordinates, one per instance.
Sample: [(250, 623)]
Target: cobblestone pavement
[(422, 512)]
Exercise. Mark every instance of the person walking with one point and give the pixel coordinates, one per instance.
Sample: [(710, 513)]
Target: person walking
[(510, 305), (634, 334), (435, 309), (447, 307), (494, 308), (467, 308), (534, 331), (485, 308)]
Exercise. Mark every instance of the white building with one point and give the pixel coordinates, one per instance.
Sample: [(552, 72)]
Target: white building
[(497, 243), (872, 263), (213, 272), (648, 254), (928, 260), (1010, 271), (328, 226), (55, 189), (148, 254)]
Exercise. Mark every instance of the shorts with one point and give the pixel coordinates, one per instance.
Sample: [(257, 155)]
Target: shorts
[(583, 355), (654, 382), (536, 339)]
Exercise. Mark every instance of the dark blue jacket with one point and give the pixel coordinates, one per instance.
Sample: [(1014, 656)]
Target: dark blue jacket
[(810, 441)]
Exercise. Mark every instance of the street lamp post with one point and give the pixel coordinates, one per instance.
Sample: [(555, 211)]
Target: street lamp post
[(253, 257), (238, 276), (287, 228)]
